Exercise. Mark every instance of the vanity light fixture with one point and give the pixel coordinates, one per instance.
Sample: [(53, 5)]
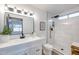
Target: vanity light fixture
[(12, 9), (19, 11), (25, 12), (31, 13), (9, 8), (5, 7)]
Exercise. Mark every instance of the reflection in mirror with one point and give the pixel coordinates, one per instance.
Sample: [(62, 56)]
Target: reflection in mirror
[(16, 25), (19, 24)]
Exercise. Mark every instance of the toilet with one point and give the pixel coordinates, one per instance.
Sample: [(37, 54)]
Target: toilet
[(47, 49)]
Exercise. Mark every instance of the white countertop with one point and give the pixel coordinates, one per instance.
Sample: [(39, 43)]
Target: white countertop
[(18, 41)]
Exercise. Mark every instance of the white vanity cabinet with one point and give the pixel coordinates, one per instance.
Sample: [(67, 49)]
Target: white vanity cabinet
[(37, 50), (27, 47)]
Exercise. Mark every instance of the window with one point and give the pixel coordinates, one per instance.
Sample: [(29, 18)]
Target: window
[(16, 25)]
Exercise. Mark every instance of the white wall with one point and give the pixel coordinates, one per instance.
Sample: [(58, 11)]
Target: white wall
[(1, 17), (50, 40)]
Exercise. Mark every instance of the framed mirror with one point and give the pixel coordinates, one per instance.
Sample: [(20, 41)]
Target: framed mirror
[(19, 24)]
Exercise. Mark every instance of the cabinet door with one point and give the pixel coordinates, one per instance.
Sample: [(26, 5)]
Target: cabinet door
[(37, 50), (21, 52)]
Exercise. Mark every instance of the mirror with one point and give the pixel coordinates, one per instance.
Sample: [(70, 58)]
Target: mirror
[(20, 24), (28, 25)]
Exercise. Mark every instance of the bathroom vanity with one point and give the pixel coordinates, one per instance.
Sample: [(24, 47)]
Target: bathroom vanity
[(17, 23), (26, 46)]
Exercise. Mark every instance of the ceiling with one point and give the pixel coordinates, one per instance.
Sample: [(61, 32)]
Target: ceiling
[(55, 8)]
